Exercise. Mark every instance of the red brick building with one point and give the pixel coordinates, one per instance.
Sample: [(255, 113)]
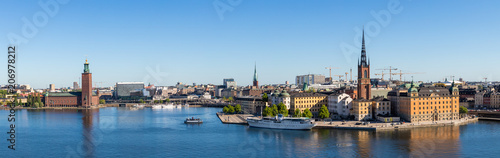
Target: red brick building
[(86, 98)]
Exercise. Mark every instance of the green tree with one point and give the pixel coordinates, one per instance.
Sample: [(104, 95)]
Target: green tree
[(35, 105), (167, 100), (102, 101), (323, 112), (237, 108), (297, 113), (224, 98), (161, 101), (230, 99), (307, 113), (282, 109), (40, 104), (156, 101), (141, 101), (225, 110), (230, 109), (265, 98), (462, 110), (274, 110), (265, 111), (15, 102)]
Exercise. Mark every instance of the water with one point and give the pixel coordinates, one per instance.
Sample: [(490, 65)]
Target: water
[(120, 132)]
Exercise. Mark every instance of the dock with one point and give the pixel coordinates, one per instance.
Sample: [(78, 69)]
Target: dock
[(234, 118), (355, 125)]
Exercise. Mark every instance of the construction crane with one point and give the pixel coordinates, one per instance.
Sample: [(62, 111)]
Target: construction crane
[(381, 74), (340, 76), (390, 71), (406, 73), (330, 68)]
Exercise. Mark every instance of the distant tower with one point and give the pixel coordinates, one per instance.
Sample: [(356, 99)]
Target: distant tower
[(86, 86), (255, 81), (364, 85)]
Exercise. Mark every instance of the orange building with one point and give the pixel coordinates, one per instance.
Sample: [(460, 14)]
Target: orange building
[(427, 104)]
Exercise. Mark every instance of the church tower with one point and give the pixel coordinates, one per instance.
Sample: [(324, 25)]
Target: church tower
[(364, 85), (255, 81), (86, 86)]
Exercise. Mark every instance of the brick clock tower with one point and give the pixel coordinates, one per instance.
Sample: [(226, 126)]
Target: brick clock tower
[(364, 85), (86, 86)]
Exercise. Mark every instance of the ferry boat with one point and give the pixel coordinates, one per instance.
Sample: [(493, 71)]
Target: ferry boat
[(193, 120), (280, 122)]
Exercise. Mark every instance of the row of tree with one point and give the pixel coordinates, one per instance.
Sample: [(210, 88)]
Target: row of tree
[(281, 109), (231, 110)]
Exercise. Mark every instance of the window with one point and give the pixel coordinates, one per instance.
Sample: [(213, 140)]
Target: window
[(366, 74)]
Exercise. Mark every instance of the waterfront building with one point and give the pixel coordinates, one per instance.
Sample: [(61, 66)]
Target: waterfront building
[(362, 109), (424, 104), (250, 104), (126, 90), (282, 97), (487, 98), (311, 101), (339, 105), (86, 98), (309, 79)]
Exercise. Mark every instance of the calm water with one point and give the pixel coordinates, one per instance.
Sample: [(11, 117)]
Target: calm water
[(120, 132)]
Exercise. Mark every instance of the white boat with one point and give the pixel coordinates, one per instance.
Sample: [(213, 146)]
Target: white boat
[(168, 106), (138, 106), (193, 120), (280, 122), (178, 106), (156, 106)]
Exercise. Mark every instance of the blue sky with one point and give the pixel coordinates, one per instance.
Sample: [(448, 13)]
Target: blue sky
[(188, 41)]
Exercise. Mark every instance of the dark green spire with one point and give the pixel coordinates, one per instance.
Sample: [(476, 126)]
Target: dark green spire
[(255, 78)]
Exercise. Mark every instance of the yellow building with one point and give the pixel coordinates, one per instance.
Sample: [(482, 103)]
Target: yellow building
[(363, 109), (429, 104), (311, 101)]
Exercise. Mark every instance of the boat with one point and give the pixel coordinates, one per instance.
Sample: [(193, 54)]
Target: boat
[(156, 106), (280, 122), (178, 106), (138, 106), (168, 106), (193, 120)]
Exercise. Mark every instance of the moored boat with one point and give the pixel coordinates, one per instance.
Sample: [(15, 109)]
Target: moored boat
[(280, 122)]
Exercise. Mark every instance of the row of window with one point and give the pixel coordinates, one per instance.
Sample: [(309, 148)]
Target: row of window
[(310, 101), (427, 112), (436, 107)]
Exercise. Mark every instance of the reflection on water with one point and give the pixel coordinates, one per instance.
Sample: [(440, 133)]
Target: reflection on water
[(121, 132)]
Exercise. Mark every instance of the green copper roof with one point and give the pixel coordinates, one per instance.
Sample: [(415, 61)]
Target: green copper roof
[(86, 67)]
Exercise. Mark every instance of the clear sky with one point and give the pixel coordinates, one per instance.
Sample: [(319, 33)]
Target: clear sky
[(165, 42)]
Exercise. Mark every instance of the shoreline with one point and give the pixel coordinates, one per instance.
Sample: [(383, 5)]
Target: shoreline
[(240, 119)]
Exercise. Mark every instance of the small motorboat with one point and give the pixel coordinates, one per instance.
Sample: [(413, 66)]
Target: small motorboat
[(193, 120)]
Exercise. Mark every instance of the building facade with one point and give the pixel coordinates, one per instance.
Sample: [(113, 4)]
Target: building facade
[(339, 105), (282, 97), (429, 104), (86, 98), (309, 79), (311, 101)]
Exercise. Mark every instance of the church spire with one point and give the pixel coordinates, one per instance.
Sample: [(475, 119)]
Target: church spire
[(363, 51), (255, 73), (86, 67)]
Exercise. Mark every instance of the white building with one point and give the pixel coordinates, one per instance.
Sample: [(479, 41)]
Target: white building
[(339, 105), (282, 97)]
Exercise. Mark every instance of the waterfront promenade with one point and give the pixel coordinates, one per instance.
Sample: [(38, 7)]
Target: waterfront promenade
[(354, 125)]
